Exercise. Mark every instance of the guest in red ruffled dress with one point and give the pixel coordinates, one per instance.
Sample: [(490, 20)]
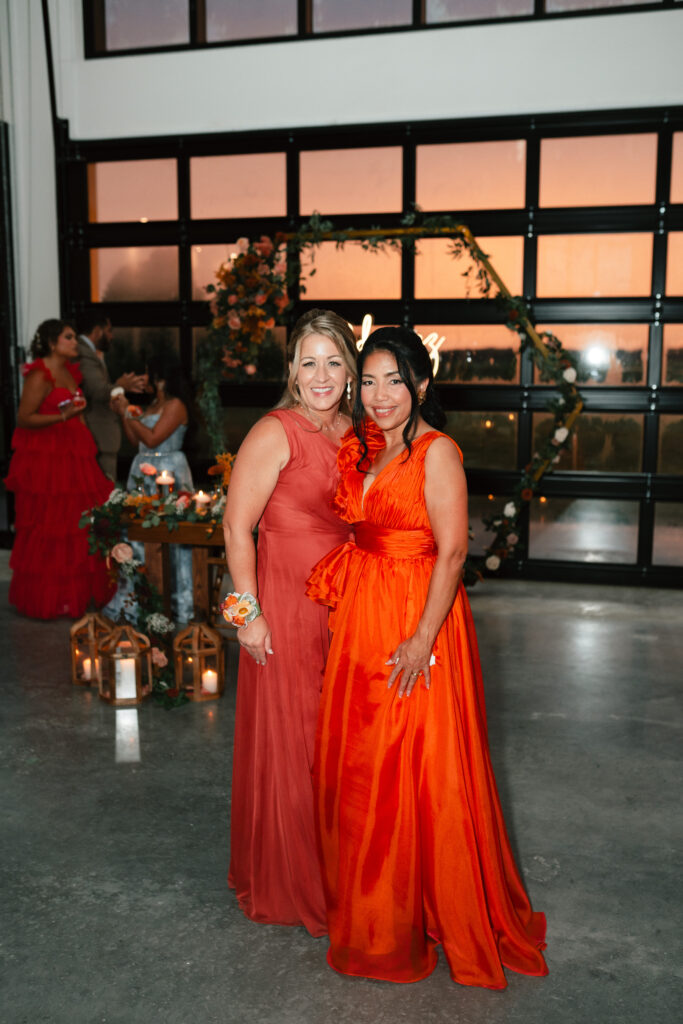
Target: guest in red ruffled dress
[(55, 476)]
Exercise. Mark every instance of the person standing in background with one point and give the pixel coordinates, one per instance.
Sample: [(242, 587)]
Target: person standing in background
[(102, 421)]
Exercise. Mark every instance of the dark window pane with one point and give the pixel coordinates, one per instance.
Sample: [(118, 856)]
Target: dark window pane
[(606, 353), (351, 180), (470, 10), (131, 25), (601, 442), (134, 274), (677, 169), (471, 175), (667, 548), (331, 16), (584, 530), (126, 190), (476, 353), (480, 507), (439, 276), (352, 273), (585, 266), (673, 354), (555, 6), (246, 185), (488, 440), (134, 347), (598, 170), (670, 444), (674, 263), (235, 19)]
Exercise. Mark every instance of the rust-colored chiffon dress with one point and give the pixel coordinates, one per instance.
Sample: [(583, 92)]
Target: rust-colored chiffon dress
[(411, 833), (274, 865)]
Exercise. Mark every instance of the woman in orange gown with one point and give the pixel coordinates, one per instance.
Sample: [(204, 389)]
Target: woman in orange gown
[(284, 480), (55, 476), (413, 843)]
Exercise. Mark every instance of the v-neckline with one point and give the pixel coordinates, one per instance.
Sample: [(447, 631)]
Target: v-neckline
[(364, 492)]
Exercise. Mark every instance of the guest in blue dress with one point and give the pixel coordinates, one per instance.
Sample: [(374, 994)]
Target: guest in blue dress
[(159, 434)]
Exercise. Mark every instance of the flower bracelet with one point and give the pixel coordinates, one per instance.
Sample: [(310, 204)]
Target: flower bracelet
[(240, 609)]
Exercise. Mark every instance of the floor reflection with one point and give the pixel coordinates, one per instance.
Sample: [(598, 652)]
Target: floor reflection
[(127, 736)]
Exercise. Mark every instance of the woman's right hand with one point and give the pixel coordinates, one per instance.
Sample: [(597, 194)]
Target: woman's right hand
[(255, 638), (67, 412)]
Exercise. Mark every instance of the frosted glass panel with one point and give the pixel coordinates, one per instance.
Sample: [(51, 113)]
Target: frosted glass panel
[(130, 24), (601, 170), (471, 175), (351, 180), (672, 372), (235, 19), (601, 442), (667, 548), (138, 274), (475, 353), (127, 190), (606, 353), (333, 16), (352, 273), (584, 530), (247, 185), (585, 266), (206, 260), (470, 10), (670, 458), (674, 263), (488, 440), (439, 276)]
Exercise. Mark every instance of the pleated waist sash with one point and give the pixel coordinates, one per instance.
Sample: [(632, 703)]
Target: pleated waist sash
[(380, 540)]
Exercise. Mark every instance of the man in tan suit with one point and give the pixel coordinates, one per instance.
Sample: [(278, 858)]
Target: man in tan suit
[(103, 422)]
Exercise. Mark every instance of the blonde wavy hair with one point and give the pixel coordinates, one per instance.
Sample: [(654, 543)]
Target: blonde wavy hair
[(334, 327)]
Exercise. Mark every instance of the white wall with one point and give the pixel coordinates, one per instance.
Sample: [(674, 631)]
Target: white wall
[(26, 108), (568, 64)]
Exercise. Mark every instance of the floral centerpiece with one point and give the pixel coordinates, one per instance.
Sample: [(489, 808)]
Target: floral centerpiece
[(248, 301)]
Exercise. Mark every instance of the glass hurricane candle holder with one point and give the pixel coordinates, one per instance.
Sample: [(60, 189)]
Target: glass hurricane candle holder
[(199, 662), (86, 636), (125, 667)]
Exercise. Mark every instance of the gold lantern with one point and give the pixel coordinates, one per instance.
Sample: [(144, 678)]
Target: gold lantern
[(125, 667), (198, 662), (86, 636)]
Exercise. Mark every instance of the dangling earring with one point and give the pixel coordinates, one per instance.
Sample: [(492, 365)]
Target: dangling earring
[(421, 397), (348, 390)]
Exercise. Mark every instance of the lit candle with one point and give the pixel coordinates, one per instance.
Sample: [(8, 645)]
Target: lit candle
[(125, 676), (88, 668), (201, 500), (165, 478), (210, 680)]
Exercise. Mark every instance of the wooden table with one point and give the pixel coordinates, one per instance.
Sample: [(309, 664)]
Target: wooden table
[(208, 566)]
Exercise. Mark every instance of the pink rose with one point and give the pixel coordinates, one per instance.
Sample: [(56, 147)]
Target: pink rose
[(148, 469), (122, 553), (259, 298), (242, 244), (280, 268), (232, 299), (230, 362), (159, 658), (182, 502), (250, 369), (234, 322)]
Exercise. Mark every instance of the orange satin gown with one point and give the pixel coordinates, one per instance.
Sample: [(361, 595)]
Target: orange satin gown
[(412, 839), (274, 866)]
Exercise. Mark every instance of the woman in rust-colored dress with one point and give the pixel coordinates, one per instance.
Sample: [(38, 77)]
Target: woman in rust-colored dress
[(411, 832), (55, 477), (284, 480)]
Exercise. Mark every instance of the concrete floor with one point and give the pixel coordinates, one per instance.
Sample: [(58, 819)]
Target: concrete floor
[(115, 907)]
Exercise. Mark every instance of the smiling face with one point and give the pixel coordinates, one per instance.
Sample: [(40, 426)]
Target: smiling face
[(322, 376), (385, 397), (66, 345)]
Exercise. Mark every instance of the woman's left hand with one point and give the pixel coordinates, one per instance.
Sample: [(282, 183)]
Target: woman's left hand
[(411, 658)]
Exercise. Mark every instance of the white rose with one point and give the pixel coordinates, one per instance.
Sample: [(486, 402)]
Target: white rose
[(492, 562), (561, 434), (569, 375), (510, 509)]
